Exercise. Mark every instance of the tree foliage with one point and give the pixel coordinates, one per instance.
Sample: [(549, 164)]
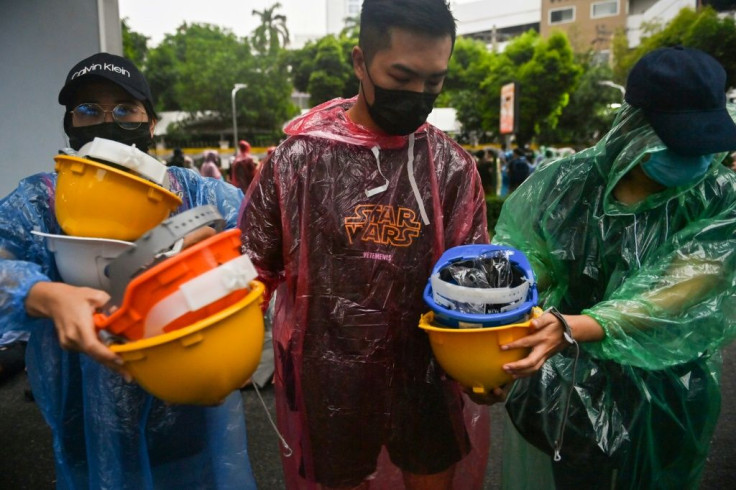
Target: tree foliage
[(702, 29), (196, 68), (324, 68), (545, 70), (135, 44), (469, 66), (272, 34), (590, 112)]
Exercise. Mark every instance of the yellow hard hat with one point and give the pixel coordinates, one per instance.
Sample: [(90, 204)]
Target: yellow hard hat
[(99, 201), (202, 363), (472, 356)]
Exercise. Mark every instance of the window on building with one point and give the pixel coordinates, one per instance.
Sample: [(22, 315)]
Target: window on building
[(562, 16), (603, 9), (354, 7)]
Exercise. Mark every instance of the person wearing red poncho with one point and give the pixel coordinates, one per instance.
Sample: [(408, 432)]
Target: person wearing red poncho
[(346, 219), (243, 168)]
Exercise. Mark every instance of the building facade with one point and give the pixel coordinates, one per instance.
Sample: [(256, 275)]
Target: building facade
[(589, 24), (496, 22), (40, 41)]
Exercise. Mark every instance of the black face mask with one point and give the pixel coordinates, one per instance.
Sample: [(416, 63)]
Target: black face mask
[(399, 112), (140, 137)]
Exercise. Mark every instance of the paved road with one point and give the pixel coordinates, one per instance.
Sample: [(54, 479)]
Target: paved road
[(26, 461)]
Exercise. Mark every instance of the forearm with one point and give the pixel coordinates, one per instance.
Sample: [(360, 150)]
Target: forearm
[(585, 328), (41, 298)]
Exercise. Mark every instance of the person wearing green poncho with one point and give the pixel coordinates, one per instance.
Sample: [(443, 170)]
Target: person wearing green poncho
[(632, 243)]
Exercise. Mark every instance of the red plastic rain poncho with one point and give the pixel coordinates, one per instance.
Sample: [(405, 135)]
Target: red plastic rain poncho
[(353, 222), (243, 168)]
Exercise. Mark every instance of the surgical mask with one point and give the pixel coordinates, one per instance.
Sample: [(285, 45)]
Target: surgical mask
[(140, 137), (672, 170), (399, 112)]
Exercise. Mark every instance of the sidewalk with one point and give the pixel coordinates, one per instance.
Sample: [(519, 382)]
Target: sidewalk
[(26, 461)]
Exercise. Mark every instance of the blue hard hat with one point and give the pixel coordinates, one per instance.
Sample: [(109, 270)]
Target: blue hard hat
[(508, 304)]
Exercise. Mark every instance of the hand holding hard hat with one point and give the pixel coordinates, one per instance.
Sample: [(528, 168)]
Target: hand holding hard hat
[(188, 322), (468, 325), (181, 291)]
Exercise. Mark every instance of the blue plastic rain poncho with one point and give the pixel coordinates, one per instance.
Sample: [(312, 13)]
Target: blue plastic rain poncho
[(659, 276), (107, 433), (353, 222)]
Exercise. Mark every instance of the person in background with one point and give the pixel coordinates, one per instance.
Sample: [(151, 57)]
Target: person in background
[(632, 243), (518, 169), (107, 432), (211, 165), (243, 168), (346, 219), (487, 170), (179, 159)]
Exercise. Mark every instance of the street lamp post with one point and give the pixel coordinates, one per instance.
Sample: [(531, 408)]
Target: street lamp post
[(609, 83), (236, 87)]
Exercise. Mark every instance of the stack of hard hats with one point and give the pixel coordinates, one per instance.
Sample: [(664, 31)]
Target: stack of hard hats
[(187, 323), (481, 297), (190, 320), (107, 195)]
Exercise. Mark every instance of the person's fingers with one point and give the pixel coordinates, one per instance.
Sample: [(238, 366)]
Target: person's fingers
[(501, 391), (531, 363), (98, 298), (198, 235), (490, 397), (522, 343), (543, 321), (100, 352)]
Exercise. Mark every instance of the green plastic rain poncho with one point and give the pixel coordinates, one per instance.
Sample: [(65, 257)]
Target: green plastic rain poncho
[(660, 277)]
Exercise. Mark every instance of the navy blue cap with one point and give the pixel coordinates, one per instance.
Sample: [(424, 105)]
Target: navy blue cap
[(682, 92)]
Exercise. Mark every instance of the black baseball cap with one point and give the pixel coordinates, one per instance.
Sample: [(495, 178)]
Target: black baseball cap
[(682, 92), (121, 71)]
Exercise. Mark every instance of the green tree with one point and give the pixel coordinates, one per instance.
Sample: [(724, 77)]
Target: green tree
[(702, 29), (468, 68), (302, 65), (135, 45), (324, 68), (329, 75), (351, 28), (271, 35), (196, 68), (545, 70), (590, 112)]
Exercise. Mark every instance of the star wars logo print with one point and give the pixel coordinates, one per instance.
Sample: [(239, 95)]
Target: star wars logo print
[(383, 224)]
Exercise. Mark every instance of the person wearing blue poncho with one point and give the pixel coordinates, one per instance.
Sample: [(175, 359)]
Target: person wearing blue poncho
[(108, 432)]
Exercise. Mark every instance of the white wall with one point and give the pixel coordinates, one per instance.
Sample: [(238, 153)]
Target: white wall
[(661, 12), (41, 40), (482, 15)]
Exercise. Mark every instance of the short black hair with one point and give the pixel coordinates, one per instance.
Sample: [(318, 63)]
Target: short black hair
[(429, 17)]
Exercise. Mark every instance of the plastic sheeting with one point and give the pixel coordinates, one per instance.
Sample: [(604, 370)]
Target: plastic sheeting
[(107, 433), (353, 370), (660, 278), (489, 271)]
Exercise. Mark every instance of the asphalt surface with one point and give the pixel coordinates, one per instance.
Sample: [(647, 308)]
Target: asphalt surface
[(26, 461)]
